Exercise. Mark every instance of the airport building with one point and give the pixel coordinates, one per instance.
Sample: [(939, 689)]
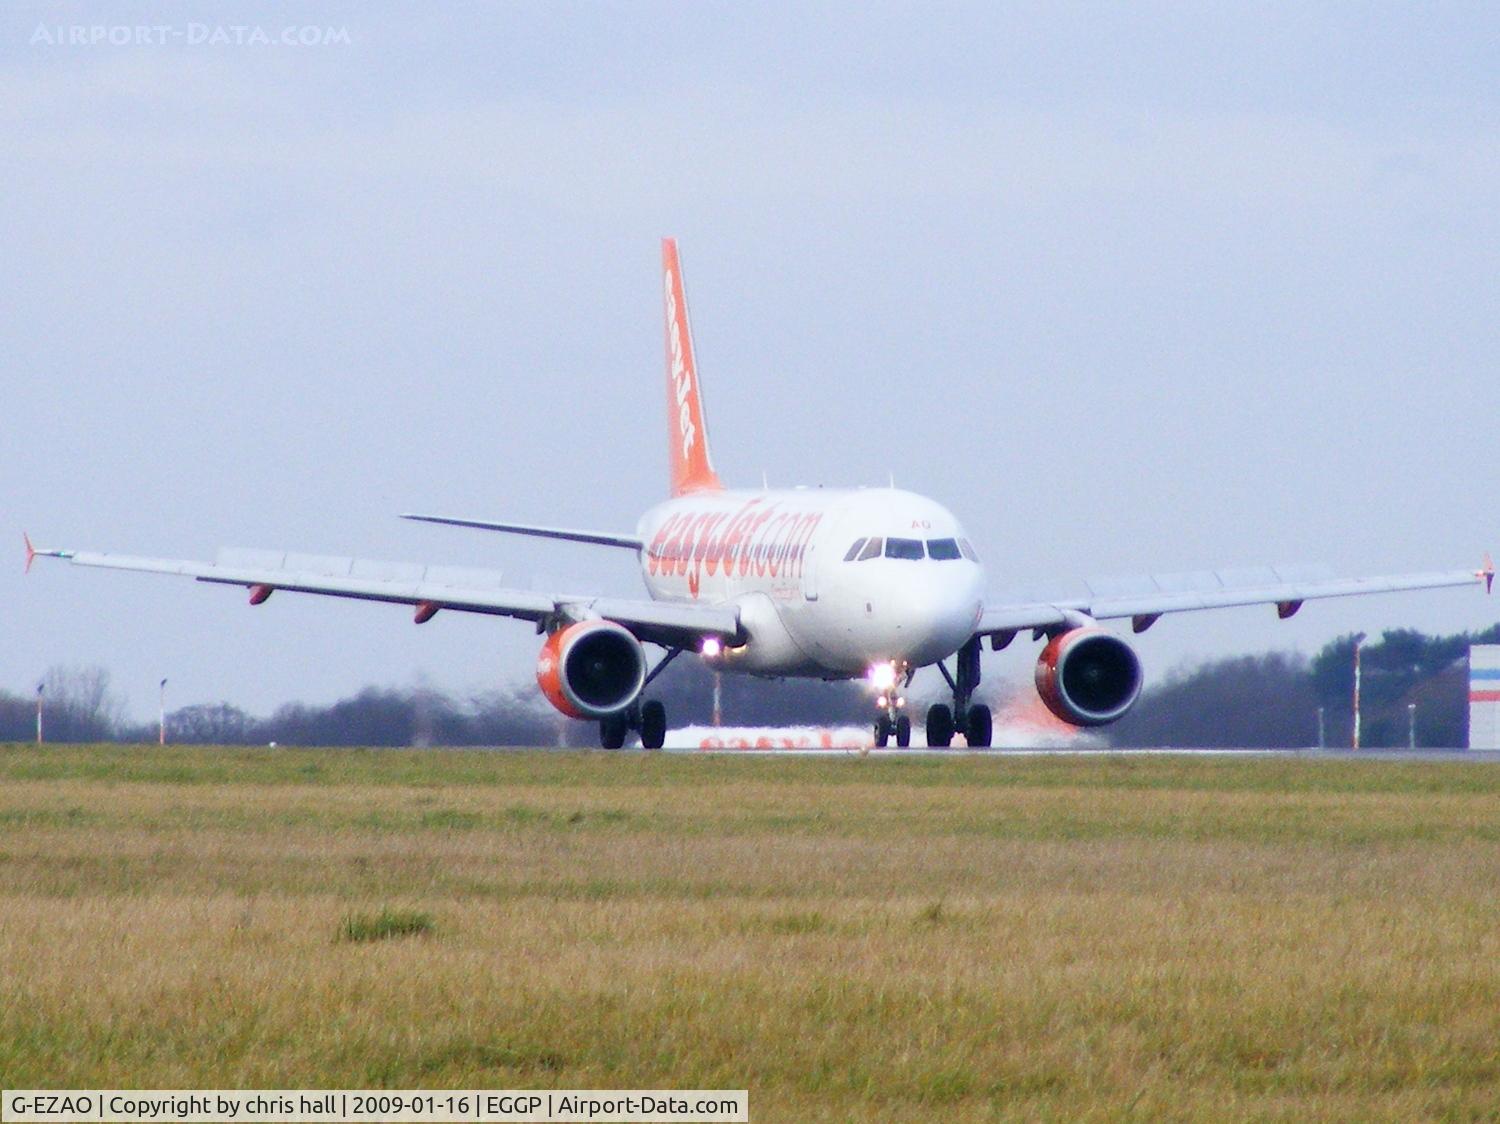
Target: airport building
[(1484, 696)]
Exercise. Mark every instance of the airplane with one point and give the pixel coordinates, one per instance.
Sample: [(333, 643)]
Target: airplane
[(871, 583)]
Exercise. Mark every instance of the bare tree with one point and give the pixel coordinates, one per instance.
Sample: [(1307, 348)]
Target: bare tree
[(80, 706), (17, 717), (210, 724)]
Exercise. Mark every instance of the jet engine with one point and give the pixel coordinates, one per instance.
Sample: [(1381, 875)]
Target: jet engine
[(1088, 677), (591, 669)]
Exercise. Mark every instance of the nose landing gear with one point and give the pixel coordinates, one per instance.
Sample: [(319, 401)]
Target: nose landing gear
[(967, 717), (889, 679), (886, 726)]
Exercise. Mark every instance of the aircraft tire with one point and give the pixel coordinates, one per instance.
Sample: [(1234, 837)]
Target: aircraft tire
[(653, 725), (903, 731), (612, 731), (939, 726), (882, 731), (979, 726)]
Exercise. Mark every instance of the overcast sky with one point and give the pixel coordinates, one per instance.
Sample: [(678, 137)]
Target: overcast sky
[(1128, 287)]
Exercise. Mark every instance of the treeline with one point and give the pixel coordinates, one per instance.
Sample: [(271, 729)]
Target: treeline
[(1274, 700), (422, 716), (1271, 700), (79, 706)]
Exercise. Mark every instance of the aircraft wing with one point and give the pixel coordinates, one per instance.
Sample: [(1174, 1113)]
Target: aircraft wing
[(430, 589), (1146, 598)]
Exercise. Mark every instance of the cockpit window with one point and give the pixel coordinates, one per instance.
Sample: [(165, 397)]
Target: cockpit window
[(854, 550), (904, 548), (968, 548), (872, 549), (943, 550)]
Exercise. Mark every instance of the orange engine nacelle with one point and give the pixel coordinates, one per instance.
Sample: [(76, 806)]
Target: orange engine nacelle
[(591, 669), (1088, 677)]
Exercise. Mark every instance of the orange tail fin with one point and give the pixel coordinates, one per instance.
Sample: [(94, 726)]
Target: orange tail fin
[(687, 434)]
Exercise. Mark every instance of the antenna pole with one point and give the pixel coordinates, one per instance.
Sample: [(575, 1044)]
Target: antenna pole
[(1358, 640)]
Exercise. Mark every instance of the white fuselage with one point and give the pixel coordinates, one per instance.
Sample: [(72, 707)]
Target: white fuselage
[(781, 558)]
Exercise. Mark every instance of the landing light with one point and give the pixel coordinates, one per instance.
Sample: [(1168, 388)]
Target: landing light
[(883, 676), (712, 647)]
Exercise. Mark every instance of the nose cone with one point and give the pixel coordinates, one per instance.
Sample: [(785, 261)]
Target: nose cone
[(925, 618)]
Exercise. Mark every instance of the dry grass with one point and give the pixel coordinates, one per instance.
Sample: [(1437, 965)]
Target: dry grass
[(852, 939)]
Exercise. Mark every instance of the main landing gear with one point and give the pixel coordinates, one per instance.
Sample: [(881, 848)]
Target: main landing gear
[(648, 718), (971, 719)]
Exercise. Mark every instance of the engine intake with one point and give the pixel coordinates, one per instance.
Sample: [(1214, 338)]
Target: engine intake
[(591, 669), (1088, 677)]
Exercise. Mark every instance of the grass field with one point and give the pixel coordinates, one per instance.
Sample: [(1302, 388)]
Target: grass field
[(921, 939)]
